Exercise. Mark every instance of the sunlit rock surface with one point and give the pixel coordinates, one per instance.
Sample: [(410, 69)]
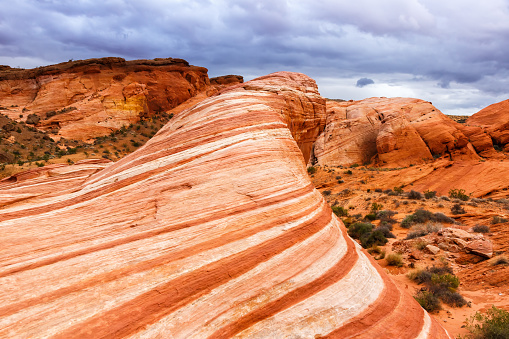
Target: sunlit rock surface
[(211, 230)]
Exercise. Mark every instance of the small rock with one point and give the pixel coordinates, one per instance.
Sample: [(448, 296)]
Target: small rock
[(415, 255), (432, 249)]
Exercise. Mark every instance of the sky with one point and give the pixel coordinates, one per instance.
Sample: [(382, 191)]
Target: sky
[(454, 53)]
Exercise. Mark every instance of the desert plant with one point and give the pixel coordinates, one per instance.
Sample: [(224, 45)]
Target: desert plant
[(386, 230), (420, 244), (326, 192), (498, 220), (430, 194), (394, 259), (481, 229), (357, 229), (398, 190), (428, 301), (340, 211), (420, 230), (311, 170), (415, 195), (493, 325), (458, 194), (457, 209), (376, 207), (348, 172), (373, 238), (500, 260)]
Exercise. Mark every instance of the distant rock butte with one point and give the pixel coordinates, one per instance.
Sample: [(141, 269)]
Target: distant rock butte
[(210, 230), (395, 132), (89, 98)]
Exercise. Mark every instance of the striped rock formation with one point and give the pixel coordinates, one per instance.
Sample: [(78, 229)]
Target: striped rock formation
[(211, 230)]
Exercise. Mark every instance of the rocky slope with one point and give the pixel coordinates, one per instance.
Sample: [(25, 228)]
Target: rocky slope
[(89, 98), (396, 132), (494, 119), (212, 229)]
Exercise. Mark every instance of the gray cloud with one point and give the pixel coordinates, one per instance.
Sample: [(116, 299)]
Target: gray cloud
[(364, 82), (458, 47)]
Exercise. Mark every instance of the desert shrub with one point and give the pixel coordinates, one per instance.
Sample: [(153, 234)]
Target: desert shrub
[(311, 170), (407, 221), (420, 230), (445, 281), (376, 207), (430, 194), (348, 172), (440, 217), (458, 194), (375, 250), (493, 325), (394, 259), (481, 229), (498, 220), (398, 189), (370, 216), (453, 299), (500, 260), (386, 216), (445, 198), (457, 209), (415, 195), (386, 231), (357, 229), (340, 211), (420, 244), (326, 192), (378, 190), (374, 238), (428, 301)]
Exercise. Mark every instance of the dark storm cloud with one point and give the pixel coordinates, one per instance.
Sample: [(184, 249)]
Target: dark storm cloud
[(364, 82), (445, 44)]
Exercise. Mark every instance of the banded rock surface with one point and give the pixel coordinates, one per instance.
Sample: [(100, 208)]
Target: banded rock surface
[(210, 230)]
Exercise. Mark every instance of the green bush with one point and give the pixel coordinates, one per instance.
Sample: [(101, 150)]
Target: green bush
[(311, 170), (340, 211), (428, 301), (373, 238), (430, 194), (370, 216), (376, 207), (357, 229), (492, 325), (458, 194), (415, 195), (394, 259), (457, 209)]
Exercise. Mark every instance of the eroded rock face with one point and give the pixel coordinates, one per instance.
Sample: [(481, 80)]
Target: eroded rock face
[(394, 132), (89, 98), (494, 119), (211, 229)]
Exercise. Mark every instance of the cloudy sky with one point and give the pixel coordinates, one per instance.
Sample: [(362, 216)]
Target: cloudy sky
[(454, 53)]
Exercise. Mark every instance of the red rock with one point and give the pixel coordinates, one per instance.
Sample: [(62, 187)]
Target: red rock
[(393, 132), (416, 255), (211, 229), (494, 119), (432, 249), (483, 248), (107, 93)]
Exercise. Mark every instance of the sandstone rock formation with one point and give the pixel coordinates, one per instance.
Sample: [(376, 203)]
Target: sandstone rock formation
[(89, 98), (210, 230), (495, 120), (395, 132)]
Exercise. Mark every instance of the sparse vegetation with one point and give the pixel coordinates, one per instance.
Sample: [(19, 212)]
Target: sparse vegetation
[(494, 324), (457, 209), (394, 259), (340, 211), (415, 195), (498, 220), (421, 230), (481, 229), (458, 194), (430, 194), (311, 170)]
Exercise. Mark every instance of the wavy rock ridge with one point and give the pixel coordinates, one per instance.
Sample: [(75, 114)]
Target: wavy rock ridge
[(211, 230)]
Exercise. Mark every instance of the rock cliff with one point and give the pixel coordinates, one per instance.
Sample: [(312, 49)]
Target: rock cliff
[(210, 230), (396, 132), (89, 98), (494, 119)]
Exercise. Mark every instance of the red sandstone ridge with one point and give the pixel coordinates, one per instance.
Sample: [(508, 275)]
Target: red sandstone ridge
[(89, 98), (210, 230), (494, 119), (395, 132)]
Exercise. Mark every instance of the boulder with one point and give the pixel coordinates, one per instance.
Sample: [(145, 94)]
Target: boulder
[(432, 249), (482, 248)]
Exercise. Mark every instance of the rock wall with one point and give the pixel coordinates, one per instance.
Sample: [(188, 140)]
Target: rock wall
[(396, 132), (89, 98), (494, 120), (210, 230)]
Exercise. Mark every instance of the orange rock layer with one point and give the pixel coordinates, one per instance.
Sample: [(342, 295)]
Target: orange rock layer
[(89, 98), (211, 230), (396, 132)]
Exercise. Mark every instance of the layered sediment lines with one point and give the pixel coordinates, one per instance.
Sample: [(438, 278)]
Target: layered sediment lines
[(210, 230)]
